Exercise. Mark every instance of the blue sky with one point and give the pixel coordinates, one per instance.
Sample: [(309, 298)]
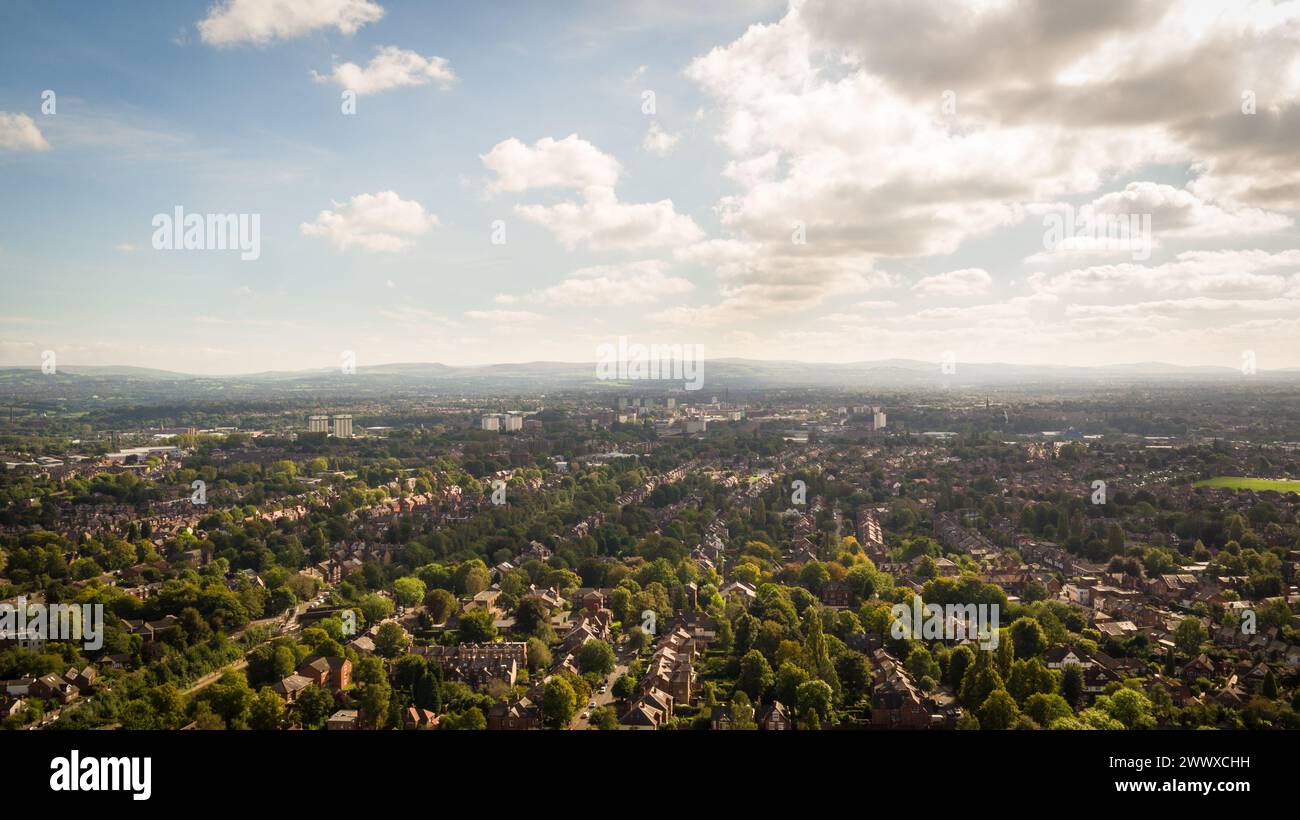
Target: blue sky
[(922, 225)]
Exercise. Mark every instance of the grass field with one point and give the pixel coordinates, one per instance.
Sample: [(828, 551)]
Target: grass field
[(1281, 485)]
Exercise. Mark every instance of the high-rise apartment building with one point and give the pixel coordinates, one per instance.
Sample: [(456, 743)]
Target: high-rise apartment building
[(343, 426)]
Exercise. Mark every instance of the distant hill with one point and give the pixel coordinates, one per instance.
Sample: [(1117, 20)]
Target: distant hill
[(406, 378)]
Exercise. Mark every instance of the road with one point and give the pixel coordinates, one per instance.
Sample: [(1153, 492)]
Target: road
[(624, 659), (213, 677)]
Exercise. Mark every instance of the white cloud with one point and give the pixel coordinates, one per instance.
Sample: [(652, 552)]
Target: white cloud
[(964, 282), (658, 141), (504, 317), (601, 222), (1229, 273), (382, 222), (833, 116), (1180, 212), (391, 67), (549, 163), (633, 283), (19, 133), (261, 21)]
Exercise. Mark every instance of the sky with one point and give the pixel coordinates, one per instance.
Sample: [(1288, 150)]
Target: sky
[(823, 180)]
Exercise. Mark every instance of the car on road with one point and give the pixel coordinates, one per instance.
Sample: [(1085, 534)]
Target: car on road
[(586, 715), (591, 705)]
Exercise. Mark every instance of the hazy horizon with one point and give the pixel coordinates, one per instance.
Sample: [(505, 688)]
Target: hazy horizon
[(912, 365)]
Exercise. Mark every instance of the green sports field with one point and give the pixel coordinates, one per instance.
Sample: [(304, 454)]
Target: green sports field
[(1281, 485)]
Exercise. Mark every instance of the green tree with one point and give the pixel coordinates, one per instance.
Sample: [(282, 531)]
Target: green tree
[(958, 662), (1072, 684), (477, 626), (854, 674), (230, 698), (755, 675), (1130, 707), (266, 713), (1028, 638), (813, 701), (789, 677), (374, 701), (374, 608), (604, 718), (1189, 635), (998, 711), (440, 604), (920, 663), (469, 720), (471, 577), (539, 655), (559, 702), (1028, 678), (530, 615), (408, 591), (1005, 652), (980, 681), (391, 640), (1047, 708), (596, 656), (314, 706), (816, 652)]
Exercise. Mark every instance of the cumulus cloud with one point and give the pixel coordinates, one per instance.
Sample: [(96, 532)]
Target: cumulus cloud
[(1234, 272), (964, 282), (549, 163), (391, 67), (658, 141), (19, 133), (602, 222), (1180, 212), (904, 128), (632, 283), (262, 21), (503, 316), (380, 222)]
